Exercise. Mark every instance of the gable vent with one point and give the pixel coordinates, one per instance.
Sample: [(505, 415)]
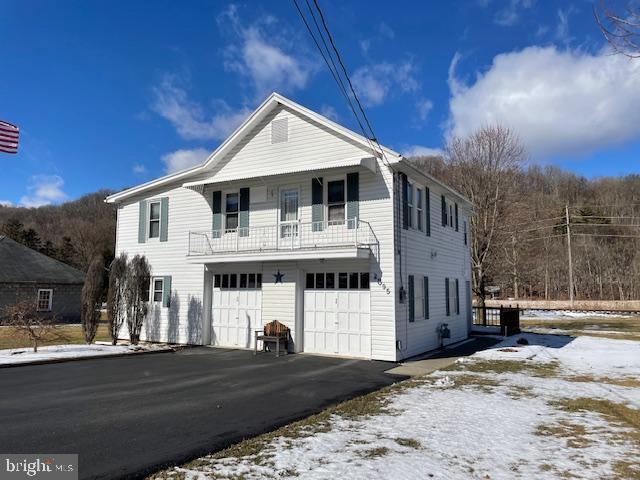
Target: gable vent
[(280, 130)]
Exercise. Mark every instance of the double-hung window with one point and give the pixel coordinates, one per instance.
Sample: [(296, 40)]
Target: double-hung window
[(45, 299), (158, 288), (232, 203), (154, 220), (419, 208), (335, 202), (410, 205)]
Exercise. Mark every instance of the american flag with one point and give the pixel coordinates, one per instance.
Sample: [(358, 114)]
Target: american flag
[(8, 137)]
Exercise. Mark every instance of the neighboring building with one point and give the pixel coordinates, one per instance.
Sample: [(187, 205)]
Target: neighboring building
[(294, 218), (25, 274)]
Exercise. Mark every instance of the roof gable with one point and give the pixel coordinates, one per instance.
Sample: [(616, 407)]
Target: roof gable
[(20, 264), (273, 102)]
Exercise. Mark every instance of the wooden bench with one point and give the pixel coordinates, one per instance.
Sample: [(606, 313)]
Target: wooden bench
[(273, 332)]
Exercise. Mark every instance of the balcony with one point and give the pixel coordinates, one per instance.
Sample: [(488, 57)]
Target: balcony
[(291, 240)]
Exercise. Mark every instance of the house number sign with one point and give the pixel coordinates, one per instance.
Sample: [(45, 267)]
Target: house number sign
[(378, 279)]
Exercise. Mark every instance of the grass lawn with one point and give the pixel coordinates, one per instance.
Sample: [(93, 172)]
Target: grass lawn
[(616, 327), (72, 335)]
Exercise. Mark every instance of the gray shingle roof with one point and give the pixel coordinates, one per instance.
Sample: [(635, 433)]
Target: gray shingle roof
[(20, 264)]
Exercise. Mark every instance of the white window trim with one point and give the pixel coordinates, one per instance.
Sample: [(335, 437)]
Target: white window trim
[(418, 289), (325, 195), (410, 205), (152, 290), (279, 222), (48, 309), (224, 210), (149, 203), (420, 221), (452, 297)]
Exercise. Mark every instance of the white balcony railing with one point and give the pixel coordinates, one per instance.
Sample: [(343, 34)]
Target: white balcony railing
[(282, 237)]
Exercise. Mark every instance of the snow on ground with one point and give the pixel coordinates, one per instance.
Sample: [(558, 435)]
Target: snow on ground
[(473, 422), (566, 314), (60, 352)]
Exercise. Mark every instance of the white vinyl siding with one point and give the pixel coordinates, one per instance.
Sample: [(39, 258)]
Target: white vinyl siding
[(307, 145), (440, 255)]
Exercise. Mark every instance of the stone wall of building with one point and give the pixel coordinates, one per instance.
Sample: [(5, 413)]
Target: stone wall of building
[(65, 304)]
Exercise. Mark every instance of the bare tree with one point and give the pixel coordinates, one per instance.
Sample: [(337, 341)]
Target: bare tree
[(25, 322), (92, 298), (137, 295), (116, 304), (620, 28), (483, 168)]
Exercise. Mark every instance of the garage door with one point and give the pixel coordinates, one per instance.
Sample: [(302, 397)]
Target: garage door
[(236, 309), (336, 314)]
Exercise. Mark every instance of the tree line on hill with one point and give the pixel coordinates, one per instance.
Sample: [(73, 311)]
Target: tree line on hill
[(73, 232), (520, 229)]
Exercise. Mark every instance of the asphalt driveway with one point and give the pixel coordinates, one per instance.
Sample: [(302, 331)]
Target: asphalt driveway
[(127, 417)]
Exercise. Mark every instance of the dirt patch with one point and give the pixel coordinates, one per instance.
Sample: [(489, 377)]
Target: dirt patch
[(374, 452), (536, 369), (632, 382), (409, 442), (575, 434)]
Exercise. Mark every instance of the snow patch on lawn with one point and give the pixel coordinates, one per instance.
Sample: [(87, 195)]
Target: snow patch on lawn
[(61, 352), (560, 314), (472, 422)]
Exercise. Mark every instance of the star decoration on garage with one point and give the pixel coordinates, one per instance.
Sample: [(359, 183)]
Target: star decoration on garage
[(278, 276)]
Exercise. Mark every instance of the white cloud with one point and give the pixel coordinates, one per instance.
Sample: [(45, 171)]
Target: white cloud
[(183, 159), (329, 112), (139, 169), (424, 107), (510, 13), (557, 101), (6, 203), (43, 190), (422, 151), (189, 119), (373, 83), (265, 54)]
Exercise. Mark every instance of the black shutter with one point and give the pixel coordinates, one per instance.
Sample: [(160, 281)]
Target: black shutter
[(353, 198), (412, 300), (405, 202), (446, 295), (427, 196), (317, 204), (425, 294), (456, 210), (457, 297), (444, 212), (216, 210), (243, 217)]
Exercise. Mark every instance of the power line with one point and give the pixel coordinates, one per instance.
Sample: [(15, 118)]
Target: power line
[(346, 74), (605, 235), (334, 71)]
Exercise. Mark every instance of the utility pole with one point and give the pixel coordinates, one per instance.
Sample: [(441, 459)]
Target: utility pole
[(568, 218)]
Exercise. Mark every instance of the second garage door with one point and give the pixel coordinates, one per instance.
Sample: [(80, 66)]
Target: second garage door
[(236, 309), (337, 318)]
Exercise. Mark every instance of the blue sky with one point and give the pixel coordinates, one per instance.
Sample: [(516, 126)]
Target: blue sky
[(109, 94)]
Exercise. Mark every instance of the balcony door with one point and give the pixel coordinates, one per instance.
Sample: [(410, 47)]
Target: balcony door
[(289, 213)]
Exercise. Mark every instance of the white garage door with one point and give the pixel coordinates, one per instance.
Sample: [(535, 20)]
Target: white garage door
[(336, 314), (236, 309)]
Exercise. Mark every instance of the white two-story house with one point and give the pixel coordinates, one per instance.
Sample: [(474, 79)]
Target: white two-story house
[(298, 219)]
